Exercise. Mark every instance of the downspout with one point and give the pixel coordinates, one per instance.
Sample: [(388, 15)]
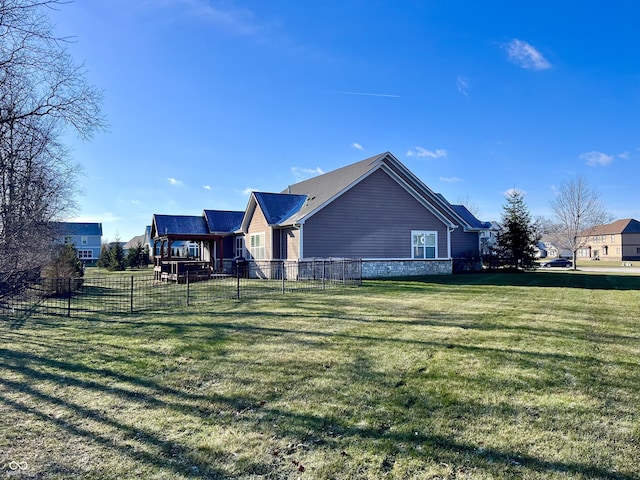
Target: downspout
[(449, 230), (301, 249)]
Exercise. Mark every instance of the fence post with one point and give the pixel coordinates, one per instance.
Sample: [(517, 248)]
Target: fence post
[(238, 282), (324, 273), (131, 294), (69, 297), (282, 273), (187, 275)]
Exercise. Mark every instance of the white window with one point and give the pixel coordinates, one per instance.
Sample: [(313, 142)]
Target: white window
[(239, 246), (424, 244), (258, 246), (85, 254), (84, 240)]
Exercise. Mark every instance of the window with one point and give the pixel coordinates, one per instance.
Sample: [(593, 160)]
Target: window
[(618, 250), (239, 246), (258, 247), (423, 244), (85, 254), (613, 239), (84, 240)]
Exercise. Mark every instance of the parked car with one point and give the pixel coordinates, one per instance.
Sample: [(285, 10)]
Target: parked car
[(558, 262)]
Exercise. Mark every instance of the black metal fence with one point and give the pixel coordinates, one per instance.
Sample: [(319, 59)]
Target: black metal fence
[(129, 294)]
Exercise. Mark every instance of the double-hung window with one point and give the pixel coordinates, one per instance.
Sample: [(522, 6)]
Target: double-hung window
[(424, 244), (258, 246)]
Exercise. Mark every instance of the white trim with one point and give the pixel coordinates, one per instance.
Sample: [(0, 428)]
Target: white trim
[(250, 249), (426, 233)]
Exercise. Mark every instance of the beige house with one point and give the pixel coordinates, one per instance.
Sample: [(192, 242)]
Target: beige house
[(618, 241)]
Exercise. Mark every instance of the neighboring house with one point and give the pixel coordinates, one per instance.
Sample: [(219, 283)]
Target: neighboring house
[(85, 237), (551, 244), (375, 210), (618, 241), (489, 238), (133, 243)]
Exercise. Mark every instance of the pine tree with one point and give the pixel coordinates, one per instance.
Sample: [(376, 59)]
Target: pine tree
[(116, 257), (519, 236), (104, 259)]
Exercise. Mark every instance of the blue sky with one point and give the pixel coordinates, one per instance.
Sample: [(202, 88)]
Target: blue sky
[(207, 100)]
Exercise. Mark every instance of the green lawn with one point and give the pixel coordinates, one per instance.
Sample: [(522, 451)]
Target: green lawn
[(481, 376)]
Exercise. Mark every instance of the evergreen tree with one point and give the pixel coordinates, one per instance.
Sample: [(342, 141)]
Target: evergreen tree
[(104, 259), (137, 256), (65, 272), (117, 261), (519, 236)]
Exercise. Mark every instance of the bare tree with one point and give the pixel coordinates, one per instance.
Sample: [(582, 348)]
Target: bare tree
[(577, 211), (42, 94)]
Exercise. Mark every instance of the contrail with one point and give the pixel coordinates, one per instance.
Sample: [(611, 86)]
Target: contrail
[(371, 94)]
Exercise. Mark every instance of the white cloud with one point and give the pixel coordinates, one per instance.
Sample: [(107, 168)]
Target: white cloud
[(624, 155), (421, 152), (450, 179), (174, 181), (463, 85), (302, 173), (106, 217), (526, 56), (514, 191), (596, 158), (206, 187), (357, 146), (247, 191)]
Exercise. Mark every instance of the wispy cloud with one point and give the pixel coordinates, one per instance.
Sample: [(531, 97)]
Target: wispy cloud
[(514, 191), (463, 85), (302, 173), (174, 181), (357, 146), (450, 179), (421, 152), (388, 95), (105, 217), (596, 158), (235, 21), (624, 155), (206, 187), (526, 56), (247, 191)]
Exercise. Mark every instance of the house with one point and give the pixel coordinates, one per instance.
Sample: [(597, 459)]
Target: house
[(619, 241), (375, 210), (85, 237), (183, 243)]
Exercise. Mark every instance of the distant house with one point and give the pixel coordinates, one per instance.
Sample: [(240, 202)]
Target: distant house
[(619, 241), (85, 237), (375, 210)]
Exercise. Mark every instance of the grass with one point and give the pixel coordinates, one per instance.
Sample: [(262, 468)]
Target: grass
[(470, 376)]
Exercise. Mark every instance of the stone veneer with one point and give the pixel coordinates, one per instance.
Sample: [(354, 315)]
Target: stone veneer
[(405, 268)]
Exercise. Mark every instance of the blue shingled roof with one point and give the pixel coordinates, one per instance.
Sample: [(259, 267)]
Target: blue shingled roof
[(223, 221), (78, 228), (180, 225), (277, 207), (468, 217)]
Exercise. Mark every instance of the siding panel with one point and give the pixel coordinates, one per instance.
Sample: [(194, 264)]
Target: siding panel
[(372, 220)]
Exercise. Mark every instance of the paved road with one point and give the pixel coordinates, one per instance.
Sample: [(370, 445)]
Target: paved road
[(635, 270)]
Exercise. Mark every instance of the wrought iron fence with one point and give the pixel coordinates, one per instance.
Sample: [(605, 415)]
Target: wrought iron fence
[(69, 296)]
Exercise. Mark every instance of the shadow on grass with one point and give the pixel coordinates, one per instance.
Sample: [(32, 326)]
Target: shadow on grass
[(564, 279)]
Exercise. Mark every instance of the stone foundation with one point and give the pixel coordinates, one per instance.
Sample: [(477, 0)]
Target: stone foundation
[(405, 268)]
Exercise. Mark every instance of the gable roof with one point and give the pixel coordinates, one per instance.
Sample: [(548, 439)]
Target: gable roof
[(626, 225), (323, 189), (470, 218), (223, 221), (278, 207), (180, 225), (78, 228), (134, 242)]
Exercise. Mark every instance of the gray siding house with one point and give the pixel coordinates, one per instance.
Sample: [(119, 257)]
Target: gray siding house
[(375, 209)]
